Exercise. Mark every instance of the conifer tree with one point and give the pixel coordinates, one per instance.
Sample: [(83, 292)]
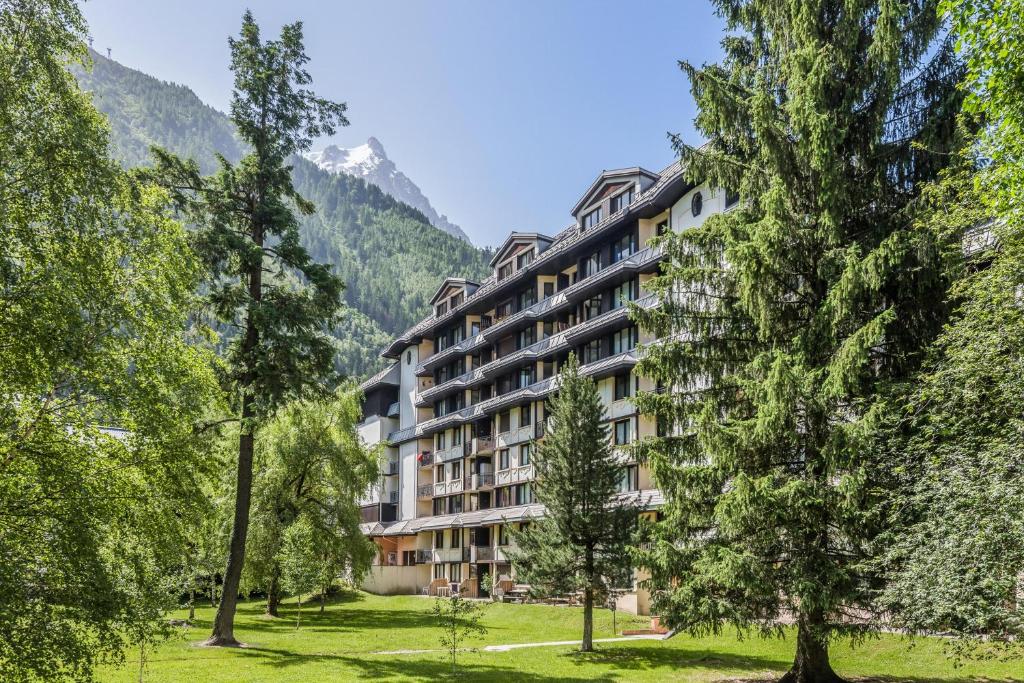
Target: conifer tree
[(581, 542), (249, 237), (785, 318)]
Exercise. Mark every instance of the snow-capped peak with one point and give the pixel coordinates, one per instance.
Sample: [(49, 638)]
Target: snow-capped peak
[(370, 162)]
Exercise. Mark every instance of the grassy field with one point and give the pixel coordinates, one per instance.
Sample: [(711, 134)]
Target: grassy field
[(342, 644)]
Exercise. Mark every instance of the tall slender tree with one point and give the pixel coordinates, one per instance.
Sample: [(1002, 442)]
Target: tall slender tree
[(581, 542), (248, 234), (786, 317)]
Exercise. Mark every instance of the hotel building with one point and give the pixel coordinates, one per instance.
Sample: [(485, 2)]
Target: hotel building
[(462, 400)]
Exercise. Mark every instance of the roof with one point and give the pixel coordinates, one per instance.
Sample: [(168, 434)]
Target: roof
[(517, 237), (382, 377), (448, 281), (610, 175)]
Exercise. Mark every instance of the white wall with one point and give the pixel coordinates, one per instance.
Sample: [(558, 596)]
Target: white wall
[(713, 202)]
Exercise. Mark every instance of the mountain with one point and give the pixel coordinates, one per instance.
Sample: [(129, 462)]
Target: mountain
[(387, 252), (371, 163)]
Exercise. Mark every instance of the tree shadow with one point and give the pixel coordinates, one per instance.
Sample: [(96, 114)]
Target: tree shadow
[(659, 656)]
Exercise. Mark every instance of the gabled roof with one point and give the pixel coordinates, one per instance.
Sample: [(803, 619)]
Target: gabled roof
[(388, 375), (456, 281), (606, 177), (515, 237)]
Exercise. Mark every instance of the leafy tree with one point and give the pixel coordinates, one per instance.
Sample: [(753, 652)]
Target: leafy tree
[(786, 318), (312, 466), (300, 563), (99, 386), (581, 542), (248, 235), (459, 619), (956, 552)]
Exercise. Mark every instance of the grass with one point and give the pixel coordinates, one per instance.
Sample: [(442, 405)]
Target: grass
[(341, 644)]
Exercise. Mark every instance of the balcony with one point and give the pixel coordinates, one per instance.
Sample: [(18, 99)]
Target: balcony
[(456, 452), (481, 553), (446, 555), (393, 497), (513, 475), (447, 488), (484, 480), (514, 436), (481, 445), (425, 491), (389, 469), (424, 556), (425, 459)]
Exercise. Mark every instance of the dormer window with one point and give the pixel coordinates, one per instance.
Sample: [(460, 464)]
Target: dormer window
[(621, 201), (458, 299), (441, 309), (504, 271), (524, 259), (591, 219)]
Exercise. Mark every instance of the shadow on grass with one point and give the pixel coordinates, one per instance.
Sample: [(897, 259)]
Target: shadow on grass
[(658, 656)]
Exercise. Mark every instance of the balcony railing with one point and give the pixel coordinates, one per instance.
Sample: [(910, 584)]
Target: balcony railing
[(481, 481), (445, 488), (482, 444), (424, 556), (425, 459), (390, 469), (481, 553), (425, 491)]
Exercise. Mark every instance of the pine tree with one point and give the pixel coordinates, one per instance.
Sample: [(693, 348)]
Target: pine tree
[(581, 542), (248, 234), (785, 318)]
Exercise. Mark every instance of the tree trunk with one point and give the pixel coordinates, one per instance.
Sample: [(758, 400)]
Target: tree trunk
[(323, 598), (298, 613), (192, 603), (588, 620), (224, 623), (811, 664), (213, 592), (273, 595)]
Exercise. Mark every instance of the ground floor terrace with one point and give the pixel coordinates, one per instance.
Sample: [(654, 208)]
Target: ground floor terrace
[(363, 637), (456, 554)]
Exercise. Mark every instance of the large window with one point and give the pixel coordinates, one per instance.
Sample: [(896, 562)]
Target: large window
[(630, 480), (456, 470), (503, 535), (623, 247), (622, 201), (524, 455), (455, 572), (439, 441), (592, 351), (439, 539), (623, 386), (592, 308), (439, 474), (624, 340), (524, 259), (504, 271), (590, 265), (591, 219), (622, 432), (526, 299), (503, 462), (504, 421), (523, 494), (456, 538), (625, 292), (525, 416)]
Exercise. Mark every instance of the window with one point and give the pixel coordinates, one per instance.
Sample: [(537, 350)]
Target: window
[(525, 416), (504, 421), (624, 340), (442, 308), (456, 538), (524, 455), (623, 247), (630, 480), (456, 470), (696, 204), (454, 504), (439, 506), (523, 494), (623, 387), (622, 432), (457, 436), (591, 219), (526, 299), (474, 328), (549, 289), (527, 376), (455, 572), (591, 265), (408, 557), (439, 539), (662, 228), (501, 497), (457, 299), (592, 308), (504, 271), (592, 351), (503, 537), (438, 571), (731, 198), (524, 259), (525, 337), (504, 309), (503, 459), (623, 293), (439, 474), (622, 201), (439, 441)]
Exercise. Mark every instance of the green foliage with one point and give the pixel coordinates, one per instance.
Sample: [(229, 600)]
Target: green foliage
[(788, 317), (312, 468), (581, 542), (301, 572), (96, 285), (387, 254), (957, 547), (458, 619)]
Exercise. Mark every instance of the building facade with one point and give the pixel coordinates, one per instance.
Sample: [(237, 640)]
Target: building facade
[(462, 401)]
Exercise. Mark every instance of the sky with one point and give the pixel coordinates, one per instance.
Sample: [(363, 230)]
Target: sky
[(502, 111)]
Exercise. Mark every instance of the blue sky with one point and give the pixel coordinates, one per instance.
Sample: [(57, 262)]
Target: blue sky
[(503, 112)]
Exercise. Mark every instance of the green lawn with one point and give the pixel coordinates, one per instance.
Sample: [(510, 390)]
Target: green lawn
[(339, 646)]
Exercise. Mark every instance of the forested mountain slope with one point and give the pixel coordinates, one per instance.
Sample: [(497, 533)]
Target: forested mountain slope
[(388, 254)]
